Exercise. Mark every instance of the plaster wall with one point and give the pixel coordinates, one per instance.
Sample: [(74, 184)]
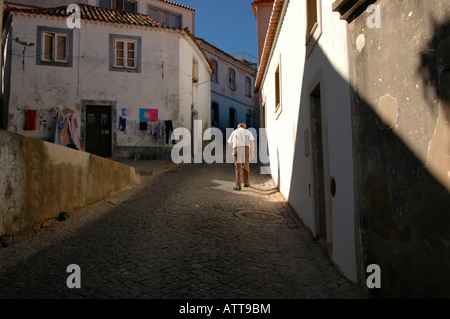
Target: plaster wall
[(39, 180), (301, 70), (399, 77)]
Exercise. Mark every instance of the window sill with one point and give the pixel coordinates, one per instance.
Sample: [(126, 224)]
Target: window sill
[(66, 64), (122, 69)]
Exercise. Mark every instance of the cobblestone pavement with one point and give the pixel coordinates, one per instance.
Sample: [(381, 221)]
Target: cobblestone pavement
[(182, 234)]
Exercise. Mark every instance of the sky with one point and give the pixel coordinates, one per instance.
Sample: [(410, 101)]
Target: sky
[(229, 25)]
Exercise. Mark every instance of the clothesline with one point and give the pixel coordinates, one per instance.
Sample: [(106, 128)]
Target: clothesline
[(159, 130), (66, 127), (67, 124)]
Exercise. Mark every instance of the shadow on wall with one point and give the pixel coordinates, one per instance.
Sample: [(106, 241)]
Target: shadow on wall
[(402, 219), (435, 67)]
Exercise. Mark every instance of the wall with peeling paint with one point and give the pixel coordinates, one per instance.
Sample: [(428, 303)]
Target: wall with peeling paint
[(39, 180), (164, 82), (399, 77)]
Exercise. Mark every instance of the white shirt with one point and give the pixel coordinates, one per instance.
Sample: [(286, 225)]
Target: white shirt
[(240, 137)]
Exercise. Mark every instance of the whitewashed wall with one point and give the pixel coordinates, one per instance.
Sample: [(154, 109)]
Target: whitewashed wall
[(328, 63)]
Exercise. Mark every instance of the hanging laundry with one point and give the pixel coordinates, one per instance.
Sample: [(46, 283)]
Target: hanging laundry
[(169, 129), (149, 129), (122, 123), (31, 120), (131, 127), (73, 128), (161, 130), (154, 128), (61, 134)]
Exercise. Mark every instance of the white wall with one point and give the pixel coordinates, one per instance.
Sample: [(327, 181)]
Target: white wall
[(327, 64), (197, 95)]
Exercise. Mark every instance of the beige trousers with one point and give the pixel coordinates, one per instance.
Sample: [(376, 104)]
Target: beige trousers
[(241, 163)]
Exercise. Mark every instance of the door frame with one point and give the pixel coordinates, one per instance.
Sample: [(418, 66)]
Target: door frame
[(112, 105), (316, 82)]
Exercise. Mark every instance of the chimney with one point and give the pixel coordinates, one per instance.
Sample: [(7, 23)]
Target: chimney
[(262, 10)]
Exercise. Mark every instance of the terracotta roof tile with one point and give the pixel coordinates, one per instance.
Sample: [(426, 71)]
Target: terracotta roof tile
[(94, 13), (268, 43), (177, 4)]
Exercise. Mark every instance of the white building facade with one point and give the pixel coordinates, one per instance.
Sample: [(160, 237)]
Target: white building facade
[(233, 100), (303, 83), (123, 68)]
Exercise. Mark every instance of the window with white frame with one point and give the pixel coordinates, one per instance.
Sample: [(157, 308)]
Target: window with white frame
[(248, 86), (166, 18), (125, 53), (231, 79), (54, 46)]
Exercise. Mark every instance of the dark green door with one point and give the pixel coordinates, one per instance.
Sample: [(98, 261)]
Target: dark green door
[(98, 130)]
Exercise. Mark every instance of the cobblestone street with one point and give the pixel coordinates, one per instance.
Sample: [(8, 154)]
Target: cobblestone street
[(184, 233)]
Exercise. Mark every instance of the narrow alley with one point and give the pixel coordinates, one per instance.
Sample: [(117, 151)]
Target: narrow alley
[(183, 234)]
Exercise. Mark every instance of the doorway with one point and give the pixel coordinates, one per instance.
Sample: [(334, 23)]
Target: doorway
[(319, 200), (98, 130), (232, 118)]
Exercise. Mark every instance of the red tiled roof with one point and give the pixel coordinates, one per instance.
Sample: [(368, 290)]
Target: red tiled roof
[(268, 43), (178, 5), (94, 13)]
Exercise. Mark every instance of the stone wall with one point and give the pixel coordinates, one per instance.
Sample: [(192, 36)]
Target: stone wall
[(39, 180), (400, 117)]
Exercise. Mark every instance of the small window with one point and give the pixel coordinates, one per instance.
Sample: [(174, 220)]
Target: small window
[(166, 18), (311, 18), (173, 20), (248, 86), (129, 6), (125, 5), (231, 79), (277, 91), (105, 4), (54, 46), (215, 114), (248, 120), (214, 75), (125, 53), (153, 13), (313, 25)]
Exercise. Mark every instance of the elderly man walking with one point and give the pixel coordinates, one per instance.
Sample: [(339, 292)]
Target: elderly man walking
[(241, 143)]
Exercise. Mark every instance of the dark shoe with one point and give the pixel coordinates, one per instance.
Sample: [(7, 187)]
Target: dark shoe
[(237, 188), (246, 185)]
